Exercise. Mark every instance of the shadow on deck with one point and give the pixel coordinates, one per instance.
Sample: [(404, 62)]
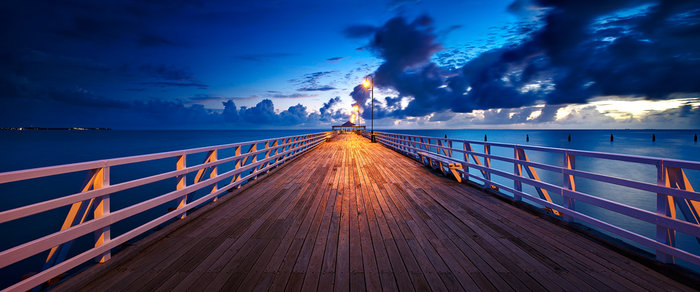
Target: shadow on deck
[(356, 215)]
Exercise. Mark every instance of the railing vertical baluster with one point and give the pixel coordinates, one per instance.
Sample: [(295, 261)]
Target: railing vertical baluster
[(664, 207), (102, 208), (238, 165), (181, 182), (487, 163), (449, 146), (517, 170), (466, 160), (570, 184), (274, 145), (254, 148), (406, 144), (214, 156)]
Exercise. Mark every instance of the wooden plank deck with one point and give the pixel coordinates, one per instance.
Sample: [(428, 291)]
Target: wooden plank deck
[(352, 215)]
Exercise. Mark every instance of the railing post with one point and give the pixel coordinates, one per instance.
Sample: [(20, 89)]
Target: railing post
[(664, 207), (570, 184), (181, 182), (102, 208), (517, 170)]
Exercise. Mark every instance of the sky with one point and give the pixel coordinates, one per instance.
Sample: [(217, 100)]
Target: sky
[(454, 64)]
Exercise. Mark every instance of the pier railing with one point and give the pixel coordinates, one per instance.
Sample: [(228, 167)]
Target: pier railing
[(90, 210), (672, 188)]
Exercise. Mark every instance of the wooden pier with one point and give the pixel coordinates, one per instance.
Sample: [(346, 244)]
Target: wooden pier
[(354, 215)]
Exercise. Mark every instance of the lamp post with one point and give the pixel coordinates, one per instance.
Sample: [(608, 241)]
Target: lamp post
[(369, 83)]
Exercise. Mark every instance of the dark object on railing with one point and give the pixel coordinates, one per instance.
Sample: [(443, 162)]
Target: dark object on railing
[(527, 138), (485, 137), (611, 137), (653, 138), (569, 137)]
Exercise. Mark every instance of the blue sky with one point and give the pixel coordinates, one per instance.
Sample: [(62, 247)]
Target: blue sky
[(298, 64)]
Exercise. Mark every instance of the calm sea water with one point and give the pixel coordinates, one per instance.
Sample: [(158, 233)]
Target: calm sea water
[(29, 149)]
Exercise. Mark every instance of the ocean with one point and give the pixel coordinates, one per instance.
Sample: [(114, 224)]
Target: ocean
[(38, 148)]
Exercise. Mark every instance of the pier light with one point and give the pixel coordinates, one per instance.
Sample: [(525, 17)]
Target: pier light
[(369, 83), (356, 109)]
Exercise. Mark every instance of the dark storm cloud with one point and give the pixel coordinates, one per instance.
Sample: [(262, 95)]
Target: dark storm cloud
[(263, 113), (85, 109), (582, 49), (360, 95), (327, 112), (402, 46)]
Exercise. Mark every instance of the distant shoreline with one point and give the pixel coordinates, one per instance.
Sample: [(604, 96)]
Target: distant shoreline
[(55, 129)]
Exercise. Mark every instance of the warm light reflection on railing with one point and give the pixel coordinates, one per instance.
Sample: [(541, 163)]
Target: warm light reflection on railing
[(672, 189), (95, 198)]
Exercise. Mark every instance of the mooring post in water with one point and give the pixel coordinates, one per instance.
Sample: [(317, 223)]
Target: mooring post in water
[(611, 137), (484, 137), (695, 139), (569, 137), (653, 138), (527, 138)]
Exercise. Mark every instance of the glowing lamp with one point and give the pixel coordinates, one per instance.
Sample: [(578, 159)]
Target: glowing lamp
[(366, 83)]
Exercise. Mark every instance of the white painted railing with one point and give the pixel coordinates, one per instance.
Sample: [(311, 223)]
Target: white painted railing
[(672, 188), (261, 156)]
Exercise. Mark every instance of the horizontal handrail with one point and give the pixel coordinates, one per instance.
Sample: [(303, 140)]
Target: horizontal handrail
[(672, 186), (26, 174), (603, 178), (593, 154), (70, 199), (275, 150)]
